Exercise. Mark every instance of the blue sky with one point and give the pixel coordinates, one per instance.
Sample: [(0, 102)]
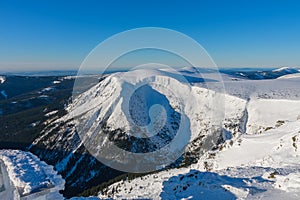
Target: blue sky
[(58, 35)]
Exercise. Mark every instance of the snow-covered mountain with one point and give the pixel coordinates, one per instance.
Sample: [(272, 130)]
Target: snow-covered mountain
[(222, 127), (288, 70), (258, 160), (147, 103), (103, 108)]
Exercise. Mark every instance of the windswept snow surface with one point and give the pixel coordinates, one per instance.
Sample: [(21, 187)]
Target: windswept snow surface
[(32, 178), (270, 113)]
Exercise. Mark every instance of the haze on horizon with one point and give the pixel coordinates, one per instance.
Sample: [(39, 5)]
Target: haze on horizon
[(56, 35)]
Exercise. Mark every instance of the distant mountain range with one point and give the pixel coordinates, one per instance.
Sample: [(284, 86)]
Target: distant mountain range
[(253, 73), (259, 74)]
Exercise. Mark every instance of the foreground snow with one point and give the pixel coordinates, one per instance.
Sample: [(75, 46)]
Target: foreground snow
[(31, 177)]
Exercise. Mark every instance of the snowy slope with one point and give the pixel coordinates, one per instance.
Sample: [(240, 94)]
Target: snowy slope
[(275, 148), (290, 76), (261, 166), (31, 177), (270, 113)]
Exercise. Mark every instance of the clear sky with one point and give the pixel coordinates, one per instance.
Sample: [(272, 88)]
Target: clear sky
[(57, 34)]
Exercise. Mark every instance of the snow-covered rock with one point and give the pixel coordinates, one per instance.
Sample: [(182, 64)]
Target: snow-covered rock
[(32, 178), (2, 79), (51, 113)]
